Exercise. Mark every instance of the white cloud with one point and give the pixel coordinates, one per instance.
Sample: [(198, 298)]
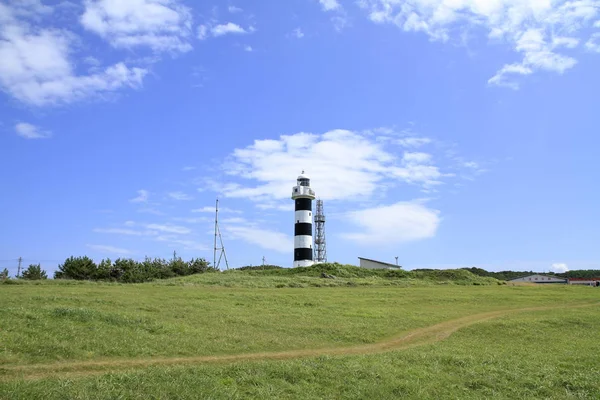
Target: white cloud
[(593, 44), (186, 244), (329, 5), (29, 131), (397, 223), (168, 228), (228, 28), (340, 161), (564, 41), (211, 209), (525, 25), (264, 238), (36, 65), (298, 33), (142, 197), (161, 25), (30, 8), (188, 169), (124, 231), (559, 268), (234, 9), (202, 32), (109, 249), (180, 196), (413, 141), (248, 48)]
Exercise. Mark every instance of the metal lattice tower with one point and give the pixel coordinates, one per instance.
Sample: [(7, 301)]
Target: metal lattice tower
[(320, 243), (217, 263)]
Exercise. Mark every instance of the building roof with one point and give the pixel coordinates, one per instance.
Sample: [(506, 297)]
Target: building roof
[(380, 262)]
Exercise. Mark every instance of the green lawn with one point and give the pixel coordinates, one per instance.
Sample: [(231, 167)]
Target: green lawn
[(83, 329)]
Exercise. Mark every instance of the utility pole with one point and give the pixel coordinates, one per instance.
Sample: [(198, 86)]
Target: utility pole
[(174, 255), (19, 268), (263, 261), (396, 260)]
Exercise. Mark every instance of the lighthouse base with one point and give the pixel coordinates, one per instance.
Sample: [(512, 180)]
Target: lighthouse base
[(303, 263)]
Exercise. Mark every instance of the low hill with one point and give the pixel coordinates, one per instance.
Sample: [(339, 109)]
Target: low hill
[(330, 274)]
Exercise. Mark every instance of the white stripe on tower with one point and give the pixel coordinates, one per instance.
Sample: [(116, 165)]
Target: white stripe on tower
[(303, 195)]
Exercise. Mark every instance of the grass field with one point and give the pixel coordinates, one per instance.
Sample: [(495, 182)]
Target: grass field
[(197, 338)]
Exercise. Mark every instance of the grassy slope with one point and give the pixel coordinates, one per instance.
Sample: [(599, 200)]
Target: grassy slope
[(53, 321)]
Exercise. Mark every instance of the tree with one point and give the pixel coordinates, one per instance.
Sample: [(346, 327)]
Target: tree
[(79, 268), (199, 266), (4, 275), (34, 273), (106, 271)]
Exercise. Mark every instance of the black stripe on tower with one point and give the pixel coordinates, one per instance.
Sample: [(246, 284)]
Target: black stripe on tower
[(303, 205), (303, 254), (303, 228)]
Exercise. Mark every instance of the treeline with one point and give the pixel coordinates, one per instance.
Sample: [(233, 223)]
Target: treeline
[(582, 273), (508, 275), (121, 270), (33, 273), (130, 271)]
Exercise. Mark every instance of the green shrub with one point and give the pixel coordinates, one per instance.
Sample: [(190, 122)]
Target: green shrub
[(34, 273), (78, 268)]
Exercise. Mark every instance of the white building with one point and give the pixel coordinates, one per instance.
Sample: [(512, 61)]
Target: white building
[(373, 264), (539, 278), (584, 281)]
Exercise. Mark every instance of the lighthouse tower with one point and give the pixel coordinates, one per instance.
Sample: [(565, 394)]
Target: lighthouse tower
[(303, 195)]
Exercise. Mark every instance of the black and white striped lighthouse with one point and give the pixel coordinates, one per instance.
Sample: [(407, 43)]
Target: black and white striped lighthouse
[(303, 195)]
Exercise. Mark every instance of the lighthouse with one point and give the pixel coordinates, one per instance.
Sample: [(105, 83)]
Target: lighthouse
[(303, 195)]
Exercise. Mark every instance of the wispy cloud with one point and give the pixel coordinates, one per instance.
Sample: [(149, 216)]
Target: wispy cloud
[(180, 196), (211, 209), (234, 9), (109, 249), (142, 196), (124, 231), (530, 27), (260, 236), (29, 131), (392, 224), (297, 33), (168, 228)]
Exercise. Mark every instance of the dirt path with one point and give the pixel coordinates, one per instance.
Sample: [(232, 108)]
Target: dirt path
[(417, 337)]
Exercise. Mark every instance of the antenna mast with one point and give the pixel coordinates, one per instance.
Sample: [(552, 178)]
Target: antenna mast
[(217, 263), (320, 243)]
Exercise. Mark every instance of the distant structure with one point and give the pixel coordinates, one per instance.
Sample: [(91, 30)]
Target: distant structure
[(320, 243), (217, 263), (539, 278), (374, 264), (585, 281), (303, 196)]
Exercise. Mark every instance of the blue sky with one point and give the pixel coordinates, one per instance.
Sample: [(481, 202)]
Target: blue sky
[(447, 133)]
